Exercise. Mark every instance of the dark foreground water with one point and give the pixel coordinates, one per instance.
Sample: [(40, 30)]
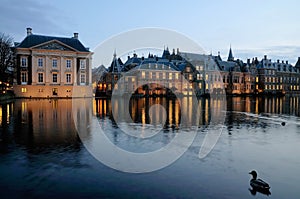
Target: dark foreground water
[(42, 156)]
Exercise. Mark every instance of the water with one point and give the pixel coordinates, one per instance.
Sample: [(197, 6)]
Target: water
[(42, 156)]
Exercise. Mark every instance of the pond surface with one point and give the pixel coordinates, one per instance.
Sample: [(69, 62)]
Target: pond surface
[(42, 155)]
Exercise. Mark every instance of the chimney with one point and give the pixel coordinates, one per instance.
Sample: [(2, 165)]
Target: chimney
[(248, 61), (278, 60), (177, 51), (265, 56), (29, 31), (75, 35), (282, 61), (287, 62)]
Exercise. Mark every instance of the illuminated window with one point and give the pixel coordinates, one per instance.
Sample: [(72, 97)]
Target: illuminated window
[(190, 76), (143, 74), (164, 76), (188, 69), (176, 76), (206, 77), (200, 85), (256, 79), (170, 76), (23, 90)]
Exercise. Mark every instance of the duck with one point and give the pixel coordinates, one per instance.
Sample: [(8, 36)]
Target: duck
[(258, 184)]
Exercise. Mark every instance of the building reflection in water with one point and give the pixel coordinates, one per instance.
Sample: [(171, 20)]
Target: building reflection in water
[(50, 122), (39, 123), (211, 109), (139, 110)]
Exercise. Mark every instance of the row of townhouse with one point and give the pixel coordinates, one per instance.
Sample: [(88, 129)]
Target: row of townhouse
[(187, 73)]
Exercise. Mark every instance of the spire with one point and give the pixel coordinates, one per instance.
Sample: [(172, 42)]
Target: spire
[(115, 54), (230, 56)]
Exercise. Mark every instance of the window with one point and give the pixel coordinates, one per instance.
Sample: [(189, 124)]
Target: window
[(23, 90), (40, 62), (170, 76), (24, 62), (40, 77), (24, 77), (54, 78), (143, 74), (54, 63), (68, 63), (68, 78), (54, 91), (82, 64), (82, 78)]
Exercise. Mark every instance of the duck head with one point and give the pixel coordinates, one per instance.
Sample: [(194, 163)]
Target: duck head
[(253, 173)]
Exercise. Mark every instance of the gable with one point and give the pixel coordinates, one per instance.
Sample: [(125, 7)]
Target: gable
[(54, 45)]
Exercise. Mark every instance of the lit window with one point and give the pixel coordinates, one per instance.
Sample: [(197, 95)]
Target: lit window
[(40, 62), (190, 77), (164, 76), (54, 78), (24, 62), (200, 85), (143, 74), (256, 79), (176, 76), (40, 77), (68, 78), (82, 64), (188, 69), (23, 90), (206, 77), (54, 63), (82, 78), (68, 63), (170, 75)]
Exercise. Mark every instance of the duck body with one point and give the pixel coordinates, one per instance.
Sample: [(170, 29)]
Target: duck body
[(258, 184)]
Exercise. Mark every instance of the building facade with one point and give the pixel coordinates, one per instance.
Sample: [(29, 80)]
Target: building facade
[(51, 67), (184, 73)]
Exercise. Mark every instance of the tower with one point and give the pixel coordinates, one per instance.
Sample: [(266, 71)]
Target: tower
[(230, 56)]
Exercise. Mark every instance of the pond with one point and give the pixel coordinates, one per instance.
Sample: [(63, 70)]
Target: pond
[(50, 148)]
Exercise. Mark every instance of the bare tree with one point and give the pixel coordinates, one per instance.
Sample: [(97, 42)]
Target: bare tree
[(6, 58)]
